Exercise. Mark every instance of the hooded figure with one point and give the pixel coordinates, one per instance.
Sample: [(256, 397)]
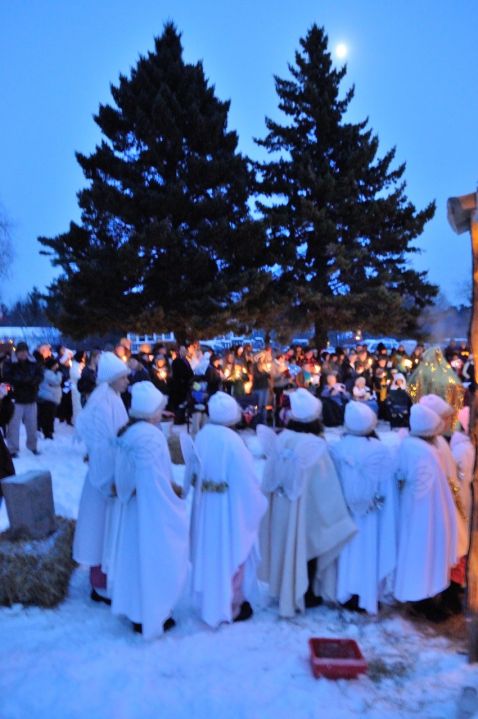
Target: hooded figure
[(427, 536), (307, 523), (227, 509), (149, 562), (367, 563), (98, 424)]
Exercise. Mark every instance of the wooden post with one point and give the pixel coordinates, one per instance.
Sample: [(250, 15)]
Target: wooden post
[(472, 568)]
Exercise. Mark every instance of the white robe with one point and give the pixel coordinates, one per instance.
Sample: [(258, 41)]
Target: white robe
[(224, 524), (150, 556), (307, 521), (427, 535), (464, 455), (75, 374), (367, 563), (98, 424), (449, 467)]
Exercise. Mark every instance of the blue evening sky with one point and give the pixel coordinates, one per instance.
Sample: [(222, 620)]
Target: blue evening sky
[(413, 63)]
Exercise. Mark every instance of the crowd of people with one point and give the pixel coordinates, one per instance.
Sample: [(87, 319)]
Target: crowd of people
[(350, 522), (48, 383)]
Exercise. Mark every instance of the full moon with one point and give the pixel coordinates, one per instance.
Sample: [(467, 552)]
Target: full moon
[(341, 50)]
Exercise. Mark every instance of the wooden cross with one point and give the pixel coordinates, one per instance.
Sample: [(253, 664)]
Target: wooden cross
[(463, 217)]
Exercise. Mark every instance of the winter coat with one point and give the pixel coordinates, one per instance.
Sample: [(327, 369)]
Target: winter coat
[(25, 377), (398, 406), (50, 388)]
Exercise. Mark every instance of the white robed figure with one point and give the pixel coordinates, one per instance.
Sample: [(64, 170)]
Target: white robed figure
[(364, 464), (307, 522), (446, 413), (463, 453), (150, 558), (227, 508), (427, 536), (98, 424)]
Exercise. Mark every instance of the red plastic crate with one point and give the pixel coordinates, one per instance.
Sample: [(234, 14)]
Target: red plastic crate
[(336, 658)]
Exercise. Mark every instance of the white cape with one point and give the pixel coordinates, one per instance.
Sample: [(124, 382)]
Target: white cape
[(225, 523), (367, 563), (427, 535), (306, 519), (150, 555), (98, 424)]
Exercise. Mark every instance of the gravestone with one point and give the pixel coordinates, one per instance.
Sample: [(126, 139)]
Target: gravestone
[(29, 502)]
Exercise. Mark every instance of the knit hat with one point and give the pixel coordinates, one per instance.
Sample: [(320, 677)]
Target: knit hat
[(304, 407), (223, 409), (146, 400), (359, 418), (464, 418), (111, 368), (437, 404), (424, 422)]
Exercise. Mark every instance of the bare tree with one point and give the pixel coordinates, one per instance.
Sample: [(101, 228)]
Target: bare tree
[(6, 244)]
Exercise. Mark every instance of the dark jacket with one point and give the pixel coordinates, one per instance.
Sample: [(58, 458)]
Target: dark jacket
[(25, 377), (182, 376)]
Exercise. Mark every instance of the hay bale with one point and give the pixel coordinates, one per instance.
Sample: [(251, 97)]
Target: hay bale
[(37, 572), (175, 449)]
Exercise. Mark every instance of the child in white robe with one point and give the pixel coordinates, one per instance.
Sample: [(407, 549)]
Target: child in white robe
[(307, 522), (150, 557), (427, 538), (452, 597), (227, 509), (98, 424), (364, 464)]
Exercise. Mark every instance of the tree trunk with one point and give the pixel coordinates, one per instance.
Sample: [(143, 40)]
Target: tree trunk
[(320, 336), (472, 566)]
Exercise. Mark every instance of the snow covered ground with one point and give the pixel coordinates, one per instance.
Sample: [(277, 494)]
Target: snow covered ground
[(80, 662)]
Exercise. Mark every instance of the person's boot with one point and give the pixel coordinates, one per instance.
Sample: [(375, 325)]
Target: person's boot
[(352, 605), (451, 599), (167, 625), (96, 597), (245, 613), (311, 600), (428, 609)]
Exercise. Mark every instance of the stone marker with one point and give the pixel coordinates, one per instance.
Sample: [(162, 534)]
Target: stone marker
[(29, 502)]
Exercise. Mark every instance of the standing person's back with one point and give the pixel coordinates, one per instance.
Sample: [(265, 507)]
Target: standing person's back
[(227, 508), (87, 382), (307, 523), (364, 466), (427, 537), (150, 555), (181, 376)]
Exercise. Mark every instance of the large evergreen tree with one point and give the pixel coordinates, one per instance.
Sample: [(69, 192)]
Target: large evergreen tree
[(166, 240), (339, 224)]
